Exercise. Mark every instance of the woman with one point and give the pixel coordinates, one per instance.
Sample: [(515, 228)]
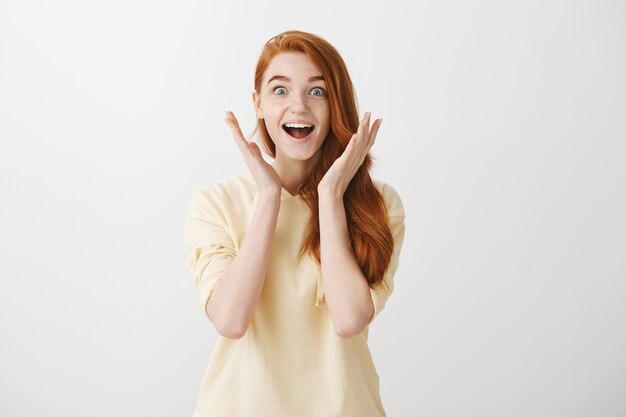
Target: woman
[(295, 259)]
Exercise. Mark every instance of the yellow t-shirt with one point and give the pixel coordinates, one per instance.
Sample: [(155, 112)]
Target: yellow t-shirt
[(290, 362)]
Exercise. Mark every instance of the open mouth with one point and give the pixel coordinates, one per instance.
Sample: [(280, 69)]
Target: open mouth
[(298, 132)]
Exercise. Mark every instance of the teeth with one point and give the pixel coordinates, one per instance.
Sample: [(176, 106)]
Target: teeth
[(300, 125)]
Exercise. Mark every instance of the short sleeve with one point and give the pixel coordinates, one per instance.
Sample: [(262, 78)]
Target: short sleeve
[(208, 239), (395, 210)]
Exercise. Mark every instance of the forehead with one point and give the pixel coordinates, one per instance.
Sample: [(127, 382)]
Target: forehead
[(295, 65)]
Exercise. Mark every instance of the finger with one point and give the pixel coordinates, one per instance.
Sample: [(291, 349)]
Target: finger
[(232, 121), (241, 142), (351, 142), (366, 128), (255, 149), (374, 132), (349, 148), (363, 132), (245, 147), (364, 138)]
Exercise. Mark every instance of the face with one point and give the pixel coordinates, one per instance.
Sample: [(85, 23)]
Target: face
[(296, 96)]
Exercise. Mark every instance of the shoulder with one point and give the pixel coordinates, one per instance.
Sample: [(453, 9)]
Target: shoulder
[(237, 189), (392, 198)]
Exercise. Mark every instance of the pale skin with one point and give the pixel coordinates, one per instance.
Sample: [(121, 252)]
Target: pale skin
[(346, 289), (235, 296)]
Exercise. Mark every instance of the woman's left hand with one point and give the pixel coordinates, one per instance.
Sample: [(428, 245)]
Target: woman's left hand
[(341, 172)]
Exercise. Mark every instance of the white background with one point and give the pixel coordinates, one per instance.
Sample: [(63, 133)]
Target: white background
[(504, 132)]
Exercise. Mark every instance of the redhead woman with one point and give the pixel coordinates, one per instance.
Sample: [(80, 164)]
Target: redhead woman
[(295, 259)]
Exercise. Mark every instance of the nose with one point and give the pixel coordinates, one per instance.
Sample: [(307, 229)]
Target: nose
[(298, 103)]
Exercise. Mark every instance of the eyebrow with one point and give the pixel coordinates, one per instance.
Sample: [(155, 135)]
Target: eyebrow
[(282, 77)]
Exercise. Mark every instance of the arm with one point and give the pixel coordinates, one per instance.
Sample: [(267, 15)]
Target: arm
[(346, 289), (236, 294)]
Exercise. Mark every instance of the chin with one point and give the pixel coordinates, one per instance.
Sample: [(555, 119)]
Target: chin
[(296, 151), (298, 156)]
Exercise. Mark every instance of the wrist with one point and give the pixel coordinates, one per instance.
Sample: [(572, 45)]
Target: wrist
[(270, 196), (329, 195)]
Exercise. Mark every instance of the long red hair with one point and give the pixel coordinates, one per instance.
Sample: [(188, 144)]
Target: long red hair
[(366, 214)]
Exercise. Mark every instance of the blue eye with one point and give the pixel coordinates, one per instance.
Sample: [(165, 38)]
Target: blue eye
[(323, 92)]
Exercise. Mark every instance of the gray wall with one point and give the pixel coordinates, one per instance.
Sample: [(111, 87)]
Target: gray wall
[(504, 132)]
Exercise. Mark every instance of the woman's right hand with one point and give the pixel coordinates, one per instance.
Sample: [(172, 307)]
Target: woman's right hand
[(267, 180)]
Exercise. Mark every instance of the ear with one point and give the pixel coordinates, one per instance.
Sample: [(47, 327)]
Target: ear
[(256, 100)]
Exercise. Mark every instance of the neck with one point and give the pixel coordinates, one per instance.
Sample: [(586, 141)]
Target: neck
[(292, 172)]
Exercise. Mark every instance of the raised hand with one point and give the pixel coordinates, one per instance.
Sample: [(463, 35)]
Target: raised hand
[(341, 172), (267, 180)]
